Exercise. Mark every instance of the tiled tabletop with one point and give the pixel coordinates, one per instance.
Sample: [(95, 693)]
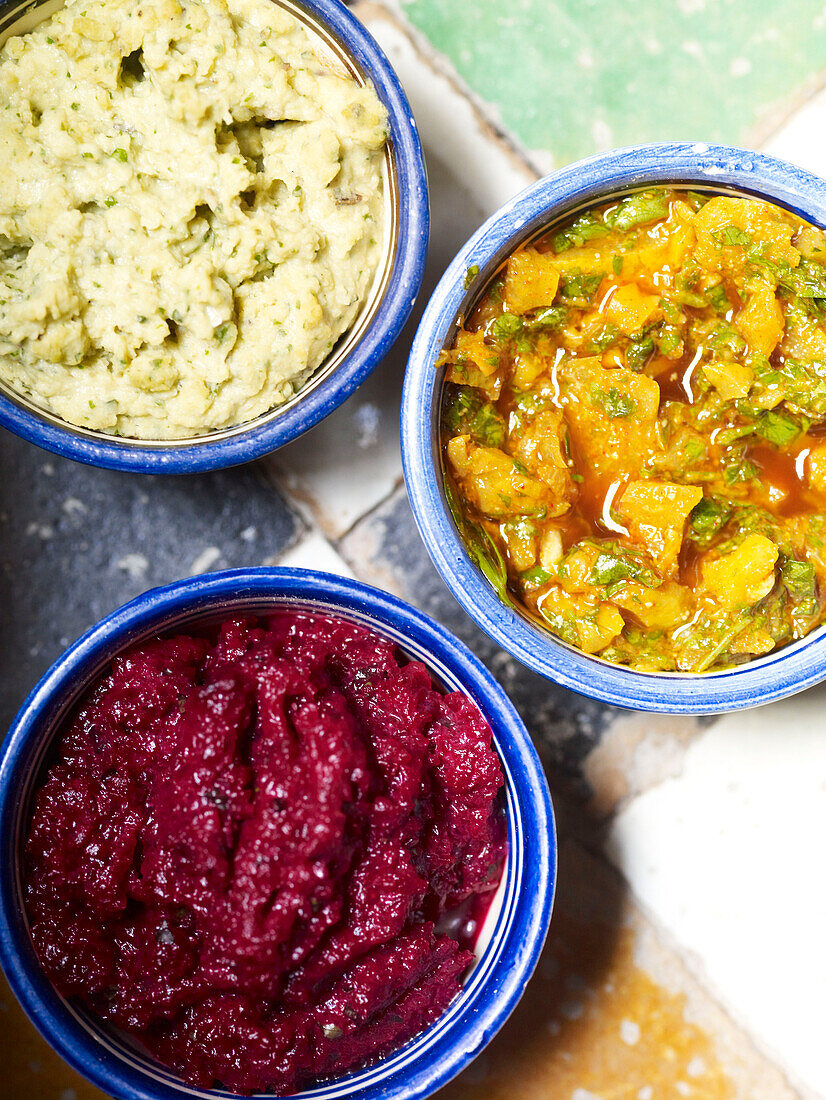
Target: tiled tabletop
[(686, 956)]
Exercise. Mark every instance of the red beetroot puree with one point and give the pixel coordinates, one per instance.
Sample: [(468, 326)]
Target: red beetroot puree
[(247, 843)]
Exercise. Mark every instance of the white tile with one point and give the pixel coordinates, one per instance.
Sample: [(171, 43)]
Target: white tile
[(799, 139), (313, 552), (351, 461), (479, 176), (728, 856), (447, 118)]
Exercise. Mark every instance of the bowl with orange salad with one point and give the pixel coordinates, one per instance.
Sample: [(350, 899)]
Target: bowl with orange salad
[(614, 428)]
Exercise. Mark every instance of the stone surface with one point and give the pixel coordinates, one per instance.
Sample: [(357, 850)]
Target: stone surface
[(312, 552), (76, 542), (31, 1069)]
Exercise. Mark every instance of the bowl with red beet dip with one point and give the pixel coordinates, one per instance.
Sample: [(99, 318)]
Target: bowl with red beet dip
[(365, 919)]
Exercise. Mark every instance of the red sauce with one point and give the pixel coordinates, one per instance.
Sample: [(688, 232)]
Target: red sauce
[(265, 851)]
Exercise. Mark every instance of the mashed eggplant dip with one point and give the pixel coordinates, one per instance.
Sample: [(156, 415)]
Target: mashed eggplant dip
[(265, 851), (190, 212)]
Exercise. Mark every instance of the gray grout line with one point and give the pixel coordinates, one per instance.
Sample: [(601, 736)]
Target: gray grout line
[(400, 484), (306, 522)]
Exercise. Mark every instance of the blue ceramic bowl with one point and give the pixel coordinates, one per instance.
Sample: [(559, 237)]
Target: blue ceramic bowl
[(511, 938), (359, 351), (590, 182)]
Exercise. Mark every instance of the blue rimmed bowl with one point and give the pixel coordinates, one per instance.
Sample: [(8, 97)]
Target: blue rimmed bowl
[(511, 937), (717, 168), (340, 35)]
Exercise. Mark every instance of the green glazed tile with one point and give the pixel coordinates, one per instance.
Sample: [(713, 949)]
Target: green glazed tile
[(570, 77)]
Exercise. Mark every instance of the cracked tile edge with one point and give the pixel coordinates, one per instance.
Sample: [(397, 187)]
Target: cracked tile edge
[(489, 125)]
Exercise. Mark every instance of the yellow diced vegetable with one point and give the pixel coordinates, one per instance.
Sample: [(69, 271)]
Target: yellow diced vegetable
[(531, 281), (521, 539), (597, 634), (742, 577), (755, 641), (762, 321), (655, 513), (473, 363), (471, 346), (594, 627), (816, 468), (539, 447), (804, 337), (576, 572), (550, 549), (655, 608), (611, 415), (491, 481), (731, 379), (629, 309), (755, 218), (811, 243), (527, 367)]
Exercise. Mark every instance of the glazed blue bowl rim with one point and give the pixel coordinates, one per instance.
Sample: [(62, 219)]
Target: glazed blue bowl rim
[(764, 680), (383, 330), (532, 894)]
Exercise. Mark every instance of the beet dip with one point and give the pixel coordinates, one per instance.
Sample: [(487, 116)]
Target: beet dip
[(265, 851)]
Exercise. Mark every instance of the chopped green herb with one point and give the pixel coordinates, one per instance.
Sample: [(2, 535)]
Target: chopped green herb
[(726, 339), (737, 468), (506, 326), (645, 206), (550, 319), (638, 352), (616, 404), (718, 298), (807, 280), (470, 275), (614, 564), (609, 334), (609, 570), (707, 518), (585, 228), (697, 199), (732, 235), (799, 579), (536, 576), (578, 289), (467, 411), (668, 338), (779, 428)]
